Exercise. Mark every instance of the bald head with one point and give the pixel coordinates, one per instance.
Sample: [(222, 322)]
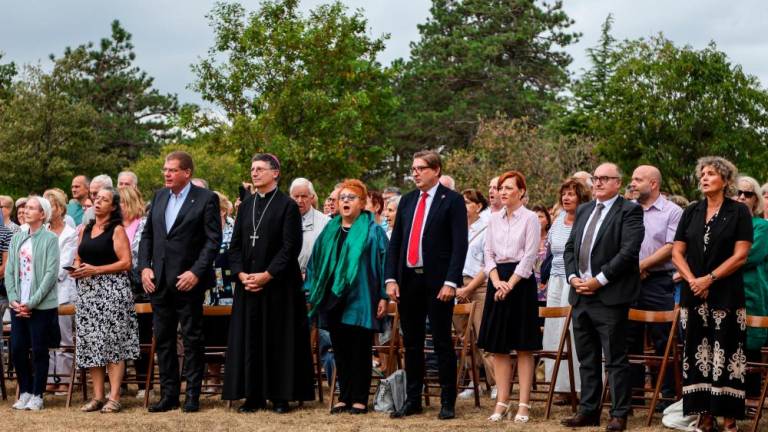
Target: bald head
[(646, 184), (606, 181)]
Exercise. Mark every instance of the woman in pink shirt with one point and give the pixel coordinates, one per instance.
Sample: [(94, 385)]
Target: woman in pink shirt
[(510, 319)]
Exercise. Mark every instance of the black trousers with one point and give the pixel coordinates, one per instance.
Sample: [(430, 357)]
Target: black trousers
[(169, 308), (417, 302), (599, 329), (352, 352), (657, 293), (33, 335)]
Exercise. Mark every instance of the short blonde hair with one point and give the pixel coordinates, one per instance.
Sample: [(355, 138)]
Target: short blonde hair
[(724, 167), (5, 199), (224, 202), (57, 198), (132, 202), (757, 208)]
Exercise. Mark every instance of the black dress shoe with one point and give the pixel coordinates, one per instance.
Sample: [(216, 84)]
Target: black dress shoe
[(280, 407), (617, 424), (355, 410), (339, 409), (447, 412), (407, 410), (191, 404), (581, 420), (164, 405), (251, 406)]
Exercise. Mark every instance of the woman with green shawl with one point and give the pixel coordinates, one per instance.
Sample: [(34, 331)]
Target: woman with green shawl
[(755, 275), (345, 282)]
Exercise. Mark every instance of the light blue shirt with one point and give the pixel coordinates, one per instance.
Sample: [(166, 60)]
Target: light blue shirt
[(174, 205)]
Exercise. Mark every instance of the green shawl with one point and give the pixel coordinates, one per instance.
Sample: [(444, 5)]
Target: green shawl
[(325, 263)]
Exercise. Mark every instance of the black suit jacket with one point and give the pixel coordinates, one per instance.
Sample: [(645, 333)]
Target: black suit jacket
[(734, 223), (444, 238), (615, 251), (191, 244)]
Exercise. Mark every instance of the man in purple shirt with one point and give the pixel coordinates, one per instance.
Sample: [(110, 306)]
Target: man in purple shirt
[(660, 218)]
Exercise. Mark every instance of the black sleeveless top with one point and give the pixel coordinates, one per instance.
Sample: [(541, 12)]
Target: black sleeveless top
[(98, 251)]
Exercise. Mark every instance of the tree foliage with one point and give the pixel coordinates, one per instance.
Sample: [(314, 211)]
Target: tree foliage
[(7, 72), (476, 59), (501, 145), (667, 106), (308, 89)]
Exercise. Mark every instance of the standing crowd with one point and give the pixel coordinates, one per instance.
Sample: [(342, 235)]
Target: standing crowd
[(283, 260)]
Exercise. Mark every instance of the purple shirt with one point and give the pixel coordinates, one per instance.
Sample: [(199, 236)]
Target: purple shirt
[(513, 239), (660, 220)]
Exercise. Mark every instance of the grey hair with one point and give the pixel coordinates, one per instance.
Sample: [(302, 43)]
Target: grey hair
[(45, 206), (301, 181), (760, 201), (130, 174), (394, 200), (104, 180), (725, 168)]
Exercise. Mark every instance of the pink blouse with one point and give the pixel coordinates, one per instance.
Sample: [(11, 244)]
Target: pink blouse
[(513, 239)]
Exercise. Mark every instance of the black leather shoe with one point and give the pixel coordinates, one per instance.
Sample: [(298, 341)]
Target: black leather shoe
[(617, 424), (280, 407), (164, 405), (447, 412), (355, 410), (407, 410), (339, 409), (251, 406), (191, 404), (581, 420)]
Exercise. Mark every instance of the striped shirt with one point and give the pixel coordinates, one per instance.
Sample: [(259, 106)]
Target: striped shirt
[(557, 237)]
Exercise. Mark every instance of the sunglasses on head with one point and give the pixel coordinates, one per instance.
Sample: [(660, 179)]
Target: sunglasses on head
[(747, 194)]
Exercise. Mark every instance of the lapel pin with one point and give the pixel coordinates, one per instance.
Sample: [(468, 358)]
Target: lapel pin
[(442, 196), (192, 201)]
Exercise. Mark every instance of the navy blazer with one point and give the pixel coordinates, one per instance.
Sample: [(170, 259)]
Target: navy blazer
[(615, 251), (191, 244), (444, 238)]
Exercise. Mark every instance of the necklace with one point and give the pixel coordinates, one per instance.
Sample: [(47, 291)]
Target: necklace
[(346, 230), (256, 225)]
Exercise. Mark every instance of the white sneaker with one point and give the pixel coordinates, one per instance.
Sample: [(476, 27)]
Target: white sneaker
[(494, 392), (140, 394), (35, 403), (22, 402), (467, 394)]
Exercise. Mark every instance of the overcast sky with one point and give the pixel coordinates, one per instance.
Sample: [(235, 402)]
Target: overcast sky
[(170, 35)]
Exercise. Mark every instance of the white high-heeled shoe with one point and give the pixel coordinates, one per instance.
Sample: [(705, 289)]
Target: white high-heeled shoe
[(519, 418), (497, 417)]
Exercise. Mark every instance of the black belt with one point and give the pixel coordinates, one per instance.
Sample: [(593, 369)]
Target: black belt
[(417, 270)]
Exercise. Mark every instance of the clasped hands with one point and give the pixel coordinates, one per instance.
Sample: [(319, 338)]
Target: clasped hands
[(254, 282), (503, 288), (585, 287), (700, 286), (21, 309)]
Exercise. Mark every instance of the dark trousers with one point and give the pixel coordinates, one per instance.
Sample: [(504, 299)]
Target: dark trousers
[(33, 335), (417, 302), (169, 308), (657, 293), (352, 352), (599, 329)]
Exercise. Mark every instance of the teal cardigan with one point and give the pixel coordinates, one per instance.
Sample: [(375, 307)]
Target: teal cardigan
[(45, 260), (756, 282), (362, 299)]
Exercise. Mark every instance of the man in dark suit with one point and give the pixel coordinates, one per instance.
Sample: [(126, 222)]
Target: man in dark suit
[(601, 261), (423, 268), (178, 245)]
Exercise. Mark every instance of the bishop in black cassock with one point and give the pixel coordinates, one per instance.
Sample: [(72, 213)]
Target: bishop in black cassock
[(268, 356)]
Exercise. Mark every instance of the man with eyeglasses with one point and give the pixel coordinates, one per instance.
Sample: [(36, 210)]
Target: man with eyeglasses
[(657, 289), (601, 261), (423, 268), (268, 354)]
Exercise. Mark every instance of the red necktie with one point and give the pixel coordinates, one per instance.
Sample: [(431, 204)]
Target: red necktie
[(418, 223)]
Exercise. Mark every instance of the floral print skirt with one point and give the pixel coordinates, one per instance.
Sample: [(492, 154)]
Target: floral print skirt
[(714, 360)]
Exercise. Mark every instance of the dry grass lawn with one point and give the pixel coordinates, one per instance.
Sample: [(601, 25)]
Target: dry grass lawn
[(314, 416)]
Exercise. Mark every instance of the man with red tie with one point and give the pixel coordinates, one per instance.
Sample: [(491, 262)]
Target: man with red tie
[(423, 268)]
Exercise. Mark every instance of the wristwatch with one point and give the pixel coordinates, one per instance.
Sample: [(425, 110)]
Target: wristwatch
[(713, 276)]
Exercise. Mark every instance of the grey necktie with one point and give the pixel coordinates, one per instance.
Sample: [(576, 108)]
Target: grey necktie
[(586, 245)]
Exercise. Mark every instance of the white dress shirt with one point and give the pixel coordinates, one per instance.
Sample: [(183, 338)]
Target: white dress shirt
[(606, 208), (312, 224)]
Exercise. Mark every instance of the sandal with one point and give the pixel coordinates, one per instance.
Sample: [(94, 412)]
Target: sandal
[(733, 427), (519, 418), (707, 423), (112, 406), (497, 417), (92, 405)]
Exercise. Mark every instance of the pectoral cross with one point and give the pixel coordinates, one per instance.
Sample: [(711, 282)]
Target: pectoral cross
[(254, 237)]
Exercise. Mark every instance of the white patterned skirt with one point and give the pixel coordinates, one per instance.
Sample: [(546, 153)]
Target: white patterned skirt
[(106, 326), (714, 360)]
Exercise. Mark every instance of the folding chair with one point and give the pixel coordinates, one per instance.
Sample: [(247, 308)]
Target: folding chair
[(563, 352), (314, 341), (6, 340), (392, 348), (761, 367), (466, 349), (214, 353), (142, 309), (69, 310), (650, 360)]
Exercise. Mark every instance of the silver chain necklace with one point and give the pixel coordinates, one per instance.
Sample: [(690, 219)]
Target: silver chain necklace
[(256, 225)]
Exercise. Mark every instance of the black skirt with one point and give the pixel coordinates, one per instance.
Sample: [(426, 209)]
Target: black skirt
[(513, 323)]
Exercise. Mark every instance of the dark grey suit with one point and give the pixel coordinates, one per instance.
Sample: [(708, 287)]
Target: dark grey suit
[(600, 320)]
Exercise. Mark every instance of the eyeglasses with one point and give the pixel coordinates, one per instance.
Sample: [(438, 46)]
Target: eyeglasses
[(419, 169), (258, 171), (604, 179), (347, 197), (747, 194), (170, 170)]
